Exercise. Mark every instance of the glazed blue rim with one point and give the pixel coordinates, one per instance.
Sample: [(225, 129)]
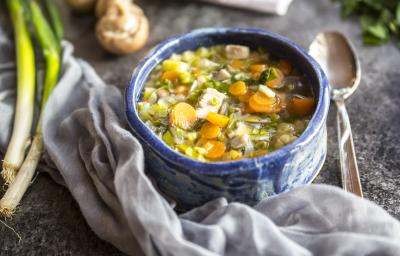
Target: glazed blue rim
[(144, 68)]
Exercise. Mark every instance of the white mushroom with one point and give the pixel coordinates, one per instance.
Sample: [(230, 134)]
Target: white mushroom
[(237, 52), (210, 101), (123, 28)]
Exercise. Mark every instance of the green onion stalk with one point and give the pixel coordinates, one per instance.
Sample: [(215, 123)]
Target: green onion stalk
[(52, 53), (20, 137), (55, 18)]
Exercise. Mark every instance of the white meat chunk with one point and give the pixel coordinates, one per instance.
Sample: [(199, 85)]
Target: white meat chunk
[(239, 141), (237, 52), (223, 74), (210, 101), (207, 64)]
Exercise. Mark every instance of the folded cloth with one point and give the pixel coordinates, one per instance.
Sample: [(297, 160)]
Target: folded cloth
[(97, 158), (278, 7)]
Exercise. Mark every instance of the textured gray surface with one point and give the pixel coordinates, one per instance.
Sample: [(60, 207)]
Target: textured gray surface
[(49, 220)]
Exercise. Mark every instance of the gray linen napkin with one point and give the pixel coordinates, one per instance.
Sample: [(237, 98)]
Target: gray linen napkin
[(90, 150)]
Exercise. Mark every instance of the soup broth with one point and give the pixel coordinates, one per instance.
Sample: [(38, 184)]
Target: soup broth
[(226, 102)]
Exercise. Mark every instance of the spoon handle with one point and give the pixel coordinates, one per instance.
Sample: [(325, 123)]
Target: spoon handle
[(348, 163)]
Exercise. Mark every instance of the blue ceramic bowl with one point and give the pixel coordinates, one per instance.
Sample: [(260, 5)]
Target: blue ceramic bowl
[(190, 182)]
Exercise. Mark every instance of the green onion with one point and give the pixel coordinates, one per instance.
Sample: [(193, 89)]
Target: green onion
[(55, 18), (203, 52), (168, 138), (51, 52), (25, 92), (175, 65)]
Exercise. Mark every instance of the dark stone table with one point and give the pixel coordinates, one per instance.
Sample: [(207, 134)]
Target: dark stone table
[(49, 221)]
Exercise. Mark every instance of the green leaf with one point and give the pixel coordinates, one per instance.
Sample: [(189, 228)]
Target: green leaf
[(268, 75), (393, 27), (367, 21), (371, 40), (349, 7), (374, 31), (378, 19), (373, 4), (386, 16), (379, 31)]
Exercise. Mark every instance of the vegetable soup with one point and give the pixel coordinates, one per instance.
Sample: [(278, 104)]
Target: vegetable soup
[(226, 102)]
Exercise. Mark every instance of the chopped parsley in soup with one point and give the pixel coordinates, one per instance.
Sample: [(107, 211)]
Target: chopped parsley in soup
[(226, 102)]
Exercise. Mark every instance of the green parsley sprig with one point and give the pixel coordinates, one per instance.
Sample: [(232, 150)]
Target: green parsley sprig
[(379, 19)]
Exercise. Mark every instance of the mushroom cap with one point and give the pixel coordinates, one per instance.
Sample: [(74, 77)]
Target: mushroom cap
[(103, 5), (123, 28)]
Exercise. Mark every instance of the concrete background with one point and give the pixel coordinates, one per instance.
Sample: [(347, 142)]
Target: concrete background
[(49, 221)]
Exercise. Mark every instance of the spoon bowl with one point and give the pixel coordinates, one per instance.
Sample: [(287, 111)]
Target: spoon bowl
[(336, 55)]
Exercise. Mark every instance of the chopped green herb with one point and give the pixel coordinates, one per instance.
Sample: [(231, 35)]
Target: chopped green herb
[(168, 138), (268, 75), (379, 19)]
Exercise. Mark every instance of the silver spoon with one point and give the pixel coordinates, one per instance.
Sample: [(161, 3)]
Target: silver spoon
[(338, 59)]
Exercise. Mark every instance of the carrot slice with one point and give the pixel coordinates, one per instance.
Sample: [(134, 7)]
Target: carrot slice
[(238, 88), (217, 119), (215, 149), (285, 67), (183, 115), (238, 64), (261, 99), (257, 68), (301, 106), (264, 108), (272, 105), (247, 109), (245, 97), (210, 131), (170, 75)]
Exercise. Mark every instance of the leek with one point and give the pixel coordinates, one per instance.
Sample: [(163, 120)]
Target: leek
[(25, 92), (51, 52)]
